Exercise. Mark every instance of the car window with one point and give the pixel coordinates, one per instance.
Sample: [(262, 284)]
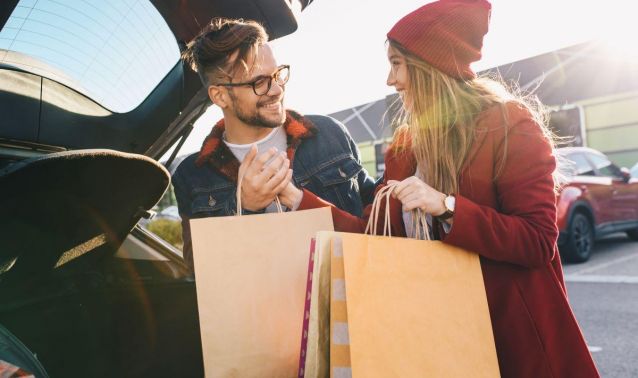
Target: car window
[(167, 223), (114, 52), (604, 166), (578, 165)]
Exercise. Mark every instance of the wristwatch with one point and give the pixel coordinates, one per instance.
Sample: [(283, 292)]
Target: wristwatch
[(449, 202)]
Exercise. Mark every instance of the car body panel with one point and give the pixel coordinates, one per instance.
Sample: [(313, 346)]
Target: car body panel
[(610, 201)]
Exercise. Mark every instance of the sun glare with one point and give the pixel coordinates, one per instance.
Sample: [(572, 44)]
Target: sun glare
[(618, 34)]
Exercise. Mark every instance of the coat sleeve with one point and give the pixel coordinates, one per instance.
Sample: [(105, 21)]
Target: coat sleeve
[(522, 229), (343, 221)]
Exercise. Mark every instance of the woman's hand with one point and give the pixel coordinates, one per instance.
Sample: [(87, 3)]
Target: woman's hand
[(291, 196), (415, 194)]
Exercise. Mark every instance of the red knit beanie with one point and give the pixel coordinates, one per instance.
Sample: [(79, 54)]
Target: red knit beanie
[(447, 34)]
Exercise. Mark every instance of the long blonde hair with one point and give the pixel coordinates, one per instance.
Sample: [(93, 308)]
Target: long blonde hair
[(442, 118)]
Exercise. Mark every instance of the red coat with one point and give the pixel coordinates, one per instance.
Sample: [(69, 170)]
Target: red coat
[(510, 221)]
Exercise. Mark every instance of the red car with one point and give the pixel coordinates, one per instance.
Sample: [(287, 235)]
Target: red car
[(597, 198)]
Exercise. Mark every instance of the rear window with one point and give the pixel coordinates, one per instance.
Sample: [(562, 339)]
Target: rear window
[(578, 165), (115, 52)]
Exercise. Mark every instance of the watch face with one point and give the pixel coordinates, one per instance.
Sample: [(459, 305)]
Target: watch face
[(450, 201)]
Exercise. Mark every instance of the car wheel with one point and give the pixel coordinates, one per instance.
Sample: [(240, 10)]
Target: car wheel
[(633, 234), (581, 239)]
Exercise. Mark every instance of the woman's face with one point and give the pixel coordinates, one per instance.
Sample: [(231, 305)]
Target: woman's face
[(398, 76)]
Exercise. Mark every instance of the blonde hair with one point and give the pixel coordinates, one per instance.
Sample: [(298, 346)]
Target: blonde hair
[(440, 123)]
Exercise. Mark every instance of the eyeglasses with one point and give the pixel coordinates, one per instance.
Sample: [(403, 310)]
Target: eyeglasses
[(261, 84)]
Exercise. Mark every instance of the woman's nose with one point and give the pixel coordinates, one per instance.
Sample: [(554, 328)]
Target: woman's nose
[(390, 81)]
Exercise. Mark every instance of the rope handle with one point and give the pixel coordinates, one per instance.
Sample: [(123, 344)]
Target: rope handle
[(419, 218)]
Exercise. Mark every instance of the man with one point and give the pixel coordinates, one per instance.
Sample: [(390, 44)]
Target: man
[(276, 152)]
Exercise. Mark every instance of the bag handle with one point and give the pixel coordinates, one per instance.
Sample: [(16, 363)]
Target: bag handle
[(418, 216), (238, 195)]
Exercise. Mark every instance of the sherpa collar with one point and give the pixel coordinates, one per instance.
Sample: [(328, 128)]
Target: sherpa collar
[(215, 152)]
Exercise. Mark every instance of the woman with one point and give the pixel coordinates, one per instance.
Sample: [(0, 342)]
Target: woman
[(479, 161)]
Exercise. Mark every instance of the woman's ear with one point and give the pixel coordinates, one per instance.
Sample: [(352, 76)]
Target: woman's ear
[(218, 95)]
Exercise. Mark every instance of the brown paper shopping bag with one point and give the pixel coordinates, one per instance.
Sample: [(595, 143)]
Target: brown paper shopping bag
[(251, 276)]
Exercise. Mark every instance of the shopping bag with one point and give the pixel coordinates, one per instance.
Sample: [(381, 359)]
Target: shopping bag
[(315, 353), (251, 274), (415, 308), (405, 308), (327, 348)]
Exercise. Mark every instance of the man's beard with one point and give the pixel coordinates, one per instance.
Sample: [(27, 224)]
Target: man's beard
[(254, 118)]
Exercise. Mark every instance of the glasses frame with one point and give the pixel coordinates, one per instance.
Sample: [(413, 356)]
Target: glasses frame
[(261, 77)]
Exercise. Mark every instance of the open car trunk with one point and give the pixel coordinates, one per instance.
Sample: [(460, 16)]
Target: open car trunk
[(80, 308), (69, 289)]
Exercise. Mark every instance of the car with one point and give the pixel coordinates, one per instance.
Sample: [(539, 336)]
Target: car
[(92, 95), (596, 198)]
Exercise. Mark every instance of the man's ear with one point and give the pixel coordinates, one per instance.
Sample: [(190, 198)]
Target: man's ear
[(218, 95)]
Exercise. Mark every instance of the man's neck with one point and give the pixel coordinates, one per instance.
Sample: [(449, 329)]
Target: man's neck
[(238, 132)]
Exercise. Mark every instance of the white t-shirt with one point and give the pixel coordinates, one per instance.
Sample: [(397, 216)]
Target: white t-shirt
[(276, 138)]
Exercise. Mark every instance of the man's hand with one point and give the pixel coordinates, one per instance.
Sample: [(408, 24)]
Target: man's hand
[(264, 176)]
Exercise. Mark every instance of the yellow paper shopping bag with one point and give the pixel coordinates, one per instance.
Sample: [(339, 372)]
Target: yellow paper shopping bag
[(415, 308), (404, 308)]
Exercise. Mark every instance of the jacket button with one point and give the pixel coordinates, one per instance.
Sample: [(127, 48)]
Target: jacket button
[(211, 201), (341, 173)]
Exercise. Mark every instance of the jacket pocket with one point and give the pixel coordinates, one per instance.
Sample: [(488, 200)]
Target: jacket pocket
[(212, 202), (337, 183)]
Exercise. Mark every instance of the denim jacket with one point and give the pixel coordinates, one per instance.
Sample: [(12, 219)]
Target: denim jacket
[(325, 161)]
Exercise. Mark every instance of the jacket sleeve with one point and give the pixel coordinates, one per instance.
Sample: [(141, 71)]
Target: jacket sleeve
[(366, 183), (522, 230)]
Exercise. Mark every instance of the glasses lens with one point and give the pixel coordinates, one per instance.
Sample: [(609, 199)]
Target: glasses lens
[(282, 75), (262, 86)]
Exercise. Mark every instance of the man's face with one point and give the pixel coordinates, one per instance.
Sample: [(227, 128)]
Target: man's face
[(260, 111)]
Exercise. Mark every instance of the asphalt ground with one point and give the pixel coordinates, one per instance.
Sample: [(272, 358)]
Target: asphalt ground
[(603, 293)]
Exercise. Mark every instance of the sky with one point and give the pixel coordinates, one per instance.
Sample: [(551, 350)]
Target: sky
[(338, 53), (338, 58)]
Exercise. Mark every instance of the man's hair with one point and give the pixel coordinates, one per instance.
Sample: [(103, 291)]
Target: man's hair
[(222, 47)]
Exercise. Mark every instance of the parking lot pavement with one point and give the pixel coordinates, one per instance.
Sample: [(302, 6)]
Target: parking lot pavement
[(604, 295)]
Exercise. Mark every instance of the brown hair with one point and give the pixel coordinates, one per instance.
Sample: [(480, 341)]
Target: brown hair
[(222, 47)]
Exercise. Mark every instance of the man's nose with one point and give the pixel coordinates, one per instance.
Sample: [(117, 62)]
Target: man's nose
[(275, 89)]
